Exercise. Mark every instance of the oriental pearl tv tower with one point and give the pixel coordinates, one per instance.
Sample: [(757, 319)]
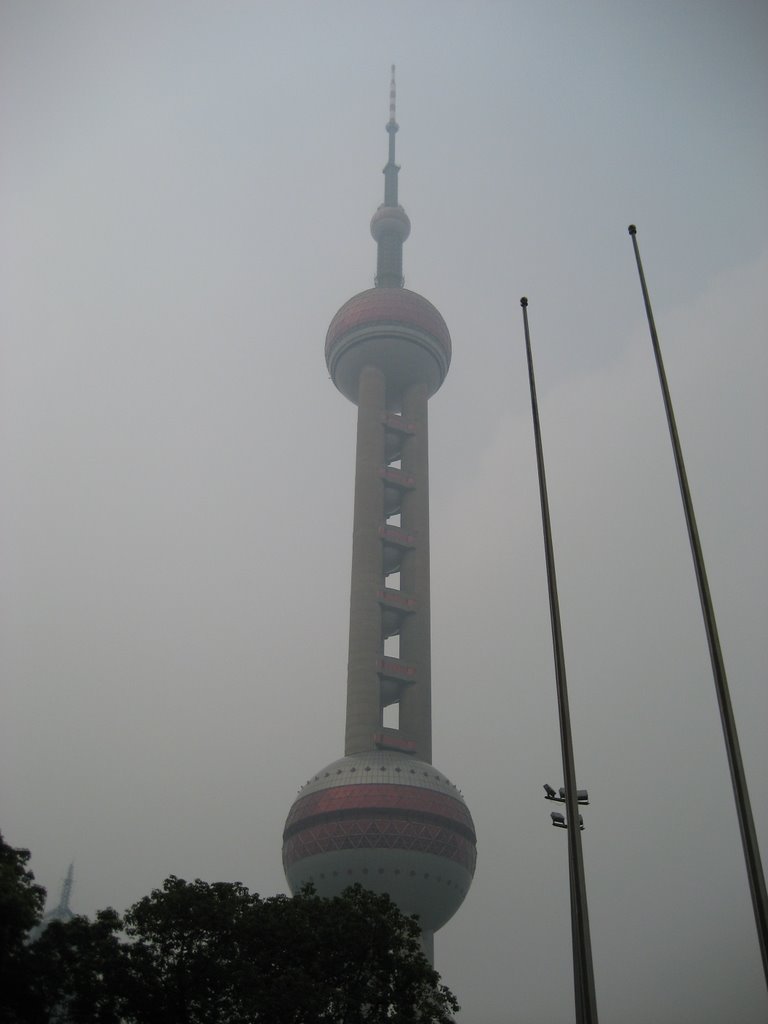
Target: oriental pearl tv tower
[(383, 815)]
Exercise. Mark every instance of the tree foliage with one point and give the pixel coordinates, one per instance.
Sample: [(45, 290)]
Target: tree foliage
[(80, 972), (21, 906), (200, 953)]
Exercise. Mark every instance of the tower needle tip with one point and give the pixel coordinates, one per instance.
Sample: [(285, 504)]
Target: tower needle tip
[(524, 302), (632, 229)]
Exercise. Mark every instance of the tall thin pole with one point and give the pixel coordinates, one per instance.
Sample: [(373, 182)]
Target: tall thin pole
[(584, 981), (578, 967), (738, 777)]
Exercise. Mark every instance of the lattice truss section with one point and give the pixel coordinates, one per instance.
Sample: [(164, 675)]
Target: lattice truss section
[(397, 542)]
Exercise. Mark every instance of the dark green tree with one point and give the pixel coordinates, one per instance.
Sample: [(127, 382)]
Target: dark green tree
[(367, 960), (203, 953), (188, 941), (21, 907), (80, 971), (199, 953)]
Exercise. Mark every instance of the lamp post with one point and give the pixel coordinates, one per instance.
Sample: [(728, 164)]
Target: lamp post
[(559, 820), (738, 776), (583, 976)]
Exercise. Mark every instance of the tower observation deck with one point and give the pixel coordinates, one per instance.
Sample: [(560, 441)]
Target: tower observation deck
[(382, 815)]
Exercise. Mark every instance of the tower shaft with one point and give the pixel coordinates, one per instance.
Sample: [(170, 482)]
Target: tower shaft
[(363, 704), (415, 636), (389, 625)]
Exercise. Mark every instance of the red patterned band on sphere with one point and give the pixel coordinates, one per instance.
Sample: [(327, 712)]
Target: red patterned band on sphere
[(374, 832), (389, 305), (403, 801)]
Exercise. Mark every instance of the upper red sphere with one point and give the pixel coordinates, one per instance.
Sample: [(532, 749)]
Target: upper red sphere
[(387, 306)]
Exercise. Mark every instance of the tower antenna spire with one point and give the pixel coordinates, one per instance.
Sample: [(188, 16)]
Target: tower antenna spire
[(392, 99), (390, 225), (391, 170)]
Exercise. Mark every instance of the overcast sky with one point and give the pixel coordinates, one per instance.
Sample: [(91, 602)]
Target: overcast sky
[(185, 196)]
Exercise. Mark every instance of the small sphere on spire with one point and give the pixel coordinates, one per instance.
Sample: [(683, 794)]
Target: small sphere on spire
[(390, 219)]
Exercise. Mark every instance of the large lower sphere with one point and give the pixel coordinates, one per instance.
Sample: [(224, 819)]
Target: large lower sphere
[(390, 823)]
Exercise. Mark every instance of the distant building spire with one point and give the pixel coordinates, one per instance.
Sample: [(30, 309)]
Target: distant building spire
[(61, 912), (390, 225), (66, 892)]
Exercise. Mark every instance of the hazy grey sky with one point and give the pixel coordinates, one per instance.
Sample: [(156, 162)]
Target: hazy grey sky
[(185, 196)]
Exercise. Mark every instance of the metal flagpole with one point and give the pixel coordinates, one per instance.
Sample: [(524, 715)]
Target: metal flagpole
[(584, 981), (738, 777)]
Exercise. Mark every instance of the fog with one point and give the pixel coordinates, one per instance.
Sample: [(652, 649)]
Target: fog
[(186, 193)]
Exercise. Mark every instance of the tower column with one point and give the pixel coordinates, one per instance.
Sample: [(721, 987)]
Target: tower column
[(415, 643), (365, 640), (382, 815)]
